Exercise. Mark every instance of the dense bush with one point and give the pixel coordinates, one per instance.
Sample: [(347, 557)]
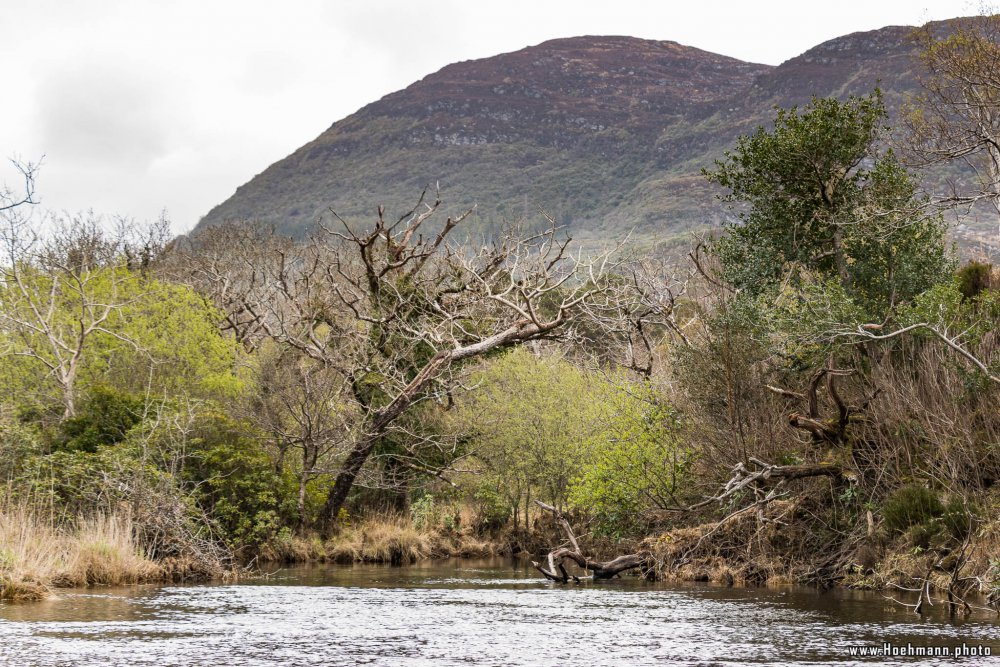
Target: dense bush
[(911, 505), (104, 418), (235, 481), (636, 464), (974, 277)]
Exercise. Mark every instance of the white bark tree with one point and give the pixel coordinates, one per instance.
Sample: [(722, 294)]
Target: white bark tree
[(61, 289)]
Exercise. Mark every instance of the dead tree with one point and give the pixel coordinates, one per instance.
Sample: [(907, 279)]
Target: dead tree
[(12, 199), (396, 310), (956, 120), (832, 431), (556, 571), (755, 474), (656, 290), (229, 264)]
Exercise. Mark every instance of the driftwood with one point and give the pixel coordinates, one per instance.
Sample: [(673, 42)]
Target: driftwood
[(556, 571), (743, 477)]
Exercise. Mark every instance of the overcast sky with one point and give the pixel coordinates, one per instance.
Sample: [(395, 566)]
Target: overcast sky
[(141, 106)]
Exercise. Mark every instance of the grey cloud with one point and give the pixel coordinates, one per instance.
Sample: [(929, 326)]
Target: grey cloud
[(99, 115)]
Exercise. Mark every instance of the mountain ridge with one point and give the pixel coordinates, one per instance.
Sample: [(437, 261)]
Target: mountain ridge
[(605, 133)]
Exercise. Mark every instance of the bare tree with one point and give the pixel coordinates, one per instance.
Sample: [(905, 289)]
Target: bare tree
[(228, 264), (598, 569), (11, 199), (59, 290), (955, 119), (300, 403), (396, 311)]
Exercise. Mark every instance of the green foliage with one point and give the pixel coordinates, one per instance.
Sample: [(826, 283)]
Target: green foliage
[(423, 512), (940, 525), (234, 480), (946, 309), (549, 431), (169, 343), (493, 508), (533, 418), (80, 483), (104, 418), (427, 514), (911, 505), (802, 315), (894, 249), (974, 278), (959, 518), (162, 339), (815, 194), (637, 462), (18, 443), (796, 180)]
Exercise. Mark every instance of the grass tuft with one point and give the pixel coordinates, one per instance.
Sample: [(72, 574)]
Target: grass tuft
[(36, 555)]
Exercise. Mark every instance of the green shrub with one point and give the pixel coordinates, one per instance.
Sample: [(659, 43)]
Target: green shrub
[(973, 278), (79, 482), (18, 442), (640, 463), (909, 506), (924, 535), (493, 509), (959, 519), (423, 512), (104, 418), (236, 484)]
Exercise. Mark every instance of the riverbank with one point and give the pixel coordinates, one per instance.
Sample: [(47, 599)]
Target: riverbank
[(35, 556), (782, 545), (393, 540)]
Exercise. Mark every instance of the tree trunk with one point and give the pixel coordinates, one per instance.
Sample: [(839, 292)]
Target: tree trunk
[(518, 332), (69, 398), (301, 505), (345, 481), (303, 481), (355, 461), (839, 258), (599, 569)]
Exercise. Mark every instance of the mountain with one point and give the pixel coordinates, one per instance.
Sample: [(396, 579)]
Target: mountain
[(606, 134)]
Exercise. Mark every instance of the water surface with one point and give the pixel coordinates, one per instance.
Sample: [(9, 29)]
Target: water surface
[(470, 613)]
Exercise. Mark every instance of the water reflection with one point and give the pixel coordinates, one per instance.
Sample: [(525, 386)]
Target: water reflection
[(465, 612)]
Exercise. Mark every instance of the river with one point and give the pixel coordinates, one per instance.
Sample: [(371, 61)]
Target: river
[(472, 613)]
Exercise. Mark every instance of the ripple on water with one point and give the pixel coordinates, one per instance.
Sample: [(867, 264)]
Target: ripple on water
[(443, 615)]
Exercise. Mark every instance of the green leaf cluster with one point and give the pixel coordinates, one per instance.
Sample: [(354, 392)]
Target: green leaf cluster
[(816, 193)]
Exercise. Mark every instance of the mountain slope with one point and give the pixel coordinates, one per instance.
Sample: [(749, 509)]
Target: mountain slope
[(604, 133)]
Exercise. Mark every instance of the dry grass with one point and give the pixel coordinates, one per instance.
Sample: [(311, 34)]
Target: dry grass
[(381, 541), (35, 555), (396, 540), (387, 539), (293, 549)]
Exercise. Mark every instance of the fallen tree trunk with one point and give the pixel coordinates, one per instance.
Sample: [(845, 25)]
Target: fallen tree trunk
[(556, 571), (744, 478)]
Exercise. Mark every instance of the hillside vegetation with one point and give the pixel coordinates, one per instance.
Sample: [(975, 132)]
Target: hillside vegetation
[(605, 134)]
